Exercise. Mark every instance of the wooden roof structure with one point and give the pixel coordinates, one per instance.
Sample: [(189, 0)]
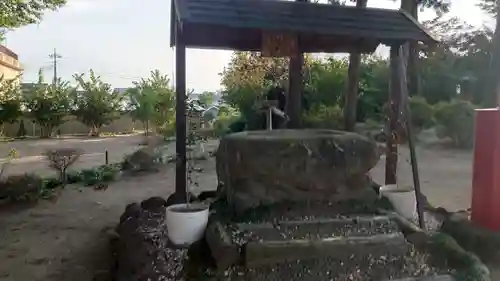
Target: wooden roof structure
[(238, 25), (245, 25)]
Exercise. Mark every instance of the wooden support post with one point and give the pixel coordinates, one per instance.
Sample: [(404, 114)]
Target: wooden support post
[(180, 114), (352, 91), (295, 89), (403, 89), (395, 111)]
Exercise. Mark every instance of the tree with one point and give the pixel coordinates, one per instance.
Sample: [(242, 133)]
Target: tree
[(16, 13), (96, 104), (10, 103), (411, 51), (206, 99), (248, 76), (142, 103), (164, 108), (492, 80), (463, 52), (48, 104)]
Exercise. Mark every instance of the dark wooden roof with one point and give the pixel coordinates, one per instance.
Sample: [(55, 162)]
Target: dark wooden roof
[(238, 25)]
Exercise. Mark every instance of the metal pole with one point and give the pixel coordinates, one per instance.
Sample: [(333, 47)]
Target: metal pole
[(269, 118), (106, 157), (180, 116)]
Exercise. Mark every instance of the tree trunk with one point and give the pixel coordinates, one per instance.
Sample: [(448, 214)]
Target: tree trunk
[(492, 93), (94, 131), (351, 97), (46, 131)]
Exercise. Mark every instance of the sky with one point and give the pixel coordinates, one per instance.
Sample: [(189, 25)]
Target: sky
[(123, 40)]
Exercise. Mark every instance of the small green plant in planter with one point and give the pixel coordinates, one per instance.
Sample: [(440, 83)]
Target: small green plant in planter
[(62, 159), (181, 230)]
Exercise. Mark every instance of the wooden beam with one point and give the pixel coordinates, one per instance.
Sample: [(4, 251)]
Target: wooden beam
[(295, 89), (395, 112), (180, 114)]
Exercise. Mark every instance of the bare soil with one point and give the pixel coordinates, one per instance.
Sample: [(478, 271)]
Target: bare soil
[(68, 239)]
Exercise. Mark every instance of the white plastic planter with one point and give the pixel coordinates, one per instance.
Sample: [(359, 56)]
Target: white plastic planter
[(403, 199), (186, 224)]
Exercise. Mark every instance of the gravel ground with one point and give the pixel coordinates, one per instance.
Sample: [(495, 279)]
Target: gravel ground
[(314, 230)]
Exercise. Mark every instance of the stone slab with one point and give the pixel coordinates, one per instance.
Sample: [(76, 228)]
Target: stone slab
[(320, 228), (431, 278), (223, 250), (265, 252)]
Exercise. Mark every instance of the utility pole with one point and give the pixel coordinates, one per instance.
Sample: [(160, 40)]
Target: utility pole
[(55, 56)]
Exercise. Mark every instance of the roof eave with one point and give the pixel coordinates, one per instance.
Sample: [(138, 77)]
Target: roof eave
[(432, 39)]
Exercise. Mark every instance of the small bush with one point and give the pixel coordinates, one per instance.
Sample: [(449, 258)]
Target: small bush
[(455, 120), (421, 113), (21, 188), (145, 159), (224, 122), (52, 183), (108, 172), (73, 177), (324, 117), (167, 130), (91, 177), (11, 156), (61, 159)]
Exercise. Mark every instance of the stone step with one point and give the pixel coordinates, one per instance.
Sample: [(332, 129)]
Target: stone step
[(385, 268), (257, 243), (263, 252), (353, 248), (319, 228), (335, 237)]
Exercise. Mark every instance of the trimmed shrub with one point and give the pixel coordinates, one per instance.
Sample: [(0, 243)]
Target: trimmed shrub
[(21, 188), (455, 120), (228, 123), (421, 113), (323, 117)]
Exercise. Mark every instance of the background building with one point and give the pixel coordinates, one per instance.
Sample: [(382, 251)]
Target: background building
[(10, 67)]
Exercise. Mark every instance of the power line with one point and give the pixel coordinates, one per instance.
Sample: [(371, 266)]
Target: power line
[(55, 56)]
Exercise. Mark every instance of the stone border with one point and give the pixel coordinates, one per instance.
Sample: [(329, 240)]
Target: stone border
[(467, 265), (224, 251), (482, 242), (433, 278)]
